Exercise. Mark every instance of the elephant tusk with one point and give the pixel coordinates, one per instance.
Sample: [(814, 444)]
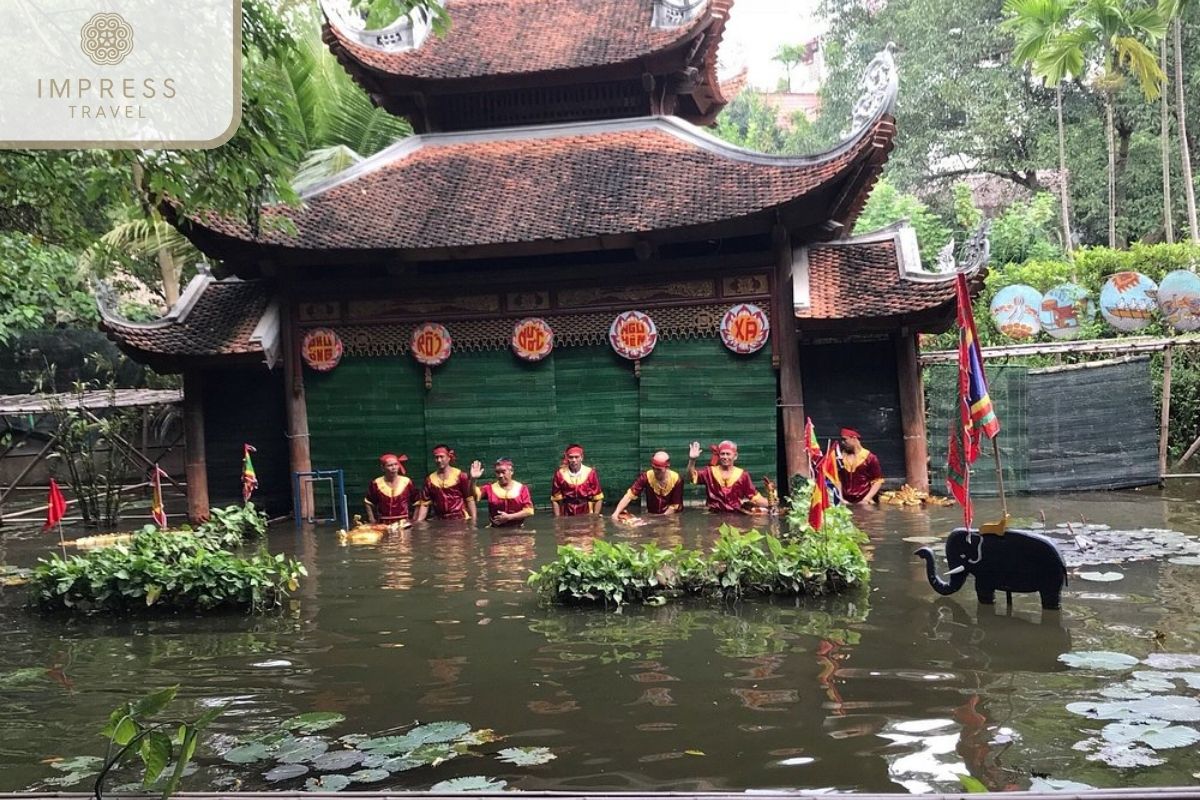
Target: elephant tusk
[(957, 570)]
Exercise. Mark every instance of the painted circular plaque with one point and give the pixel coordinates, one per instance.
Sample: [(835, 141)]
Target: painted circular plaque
[(745, 328), (1128, 301), (321, 349), (1015, 310), (633, 335), (1065, 309), (431, 344), (1179, 299), (532, 339)]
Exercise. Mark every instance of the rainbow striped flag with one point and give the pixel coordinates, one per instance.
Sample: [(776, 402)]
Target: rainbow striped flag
[(249, 477), (976, 417)]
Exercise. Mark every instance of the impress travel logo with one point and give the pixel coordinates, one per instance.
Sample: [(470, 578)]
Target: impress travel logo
[(120, 74)]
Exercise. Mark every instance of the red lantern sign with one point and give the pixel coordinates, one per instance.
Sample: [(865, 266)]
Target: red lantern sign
[(431, 344), (532, 339), (633, 335), (321, 349), (745, 328)]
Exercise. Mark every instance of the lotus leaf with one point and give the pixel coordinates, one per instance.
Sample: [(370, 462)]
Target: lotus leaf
[(471, 783), (526, 756), (304, 749), (436, 732), (433, 754), (1053, 785), (337, 760), (1126, 756), (78, 764), (285, 772), (314, 721), (391, 745), (1101, 577), (478, 737), (1170, 737), (370, 775), (327, 783), (1098, 659), (1166, 679), (1173, 660), (70, 779), (246, 753)]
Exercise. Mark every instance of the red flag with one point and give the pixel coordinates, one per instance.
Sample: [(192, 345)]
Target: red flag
[(976, 416), (157, 511), (56, 506), (833, 479), (958, 472), (820, 497)]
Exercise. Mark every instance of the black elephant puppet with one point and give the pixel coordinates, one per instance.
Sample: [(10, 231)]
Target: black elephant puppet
[(1015, 561)]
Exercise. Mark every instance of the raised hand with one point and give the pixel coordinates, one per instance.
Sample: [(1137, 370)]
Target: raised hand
[(694, 450), (476, 470)]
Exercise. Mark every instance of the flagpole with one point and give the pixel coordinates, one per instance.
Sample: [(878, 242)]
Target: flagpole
[(1000, 477), (62, 542)]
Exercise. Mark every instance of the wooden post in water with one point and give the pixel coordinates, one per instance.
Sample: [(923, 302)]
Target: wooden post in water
[(194, 458), (912, 411), (299, 455), (791, 395), (1164, 424)]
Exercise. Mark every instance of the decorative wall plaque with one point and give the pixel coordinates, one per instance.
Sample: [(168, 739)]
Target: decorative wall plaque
[(745, 328), (532, 339), (633, 335), (431, 344), (321, 349)]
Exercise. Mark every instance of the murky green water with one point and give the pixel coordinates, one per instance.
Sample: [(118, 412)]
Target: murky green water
[(894, 689)]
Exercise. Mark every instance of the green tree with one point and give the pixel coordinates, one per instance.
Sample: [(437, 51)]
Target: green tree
[(39, 287), (1179, 11), (887, 205), (789, 55)]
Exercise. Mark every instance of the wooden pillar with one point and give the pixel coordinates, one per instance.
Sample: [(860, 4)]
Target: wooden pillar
[(912, 410), (1164, 423), (299, 455), (791, 396), (195, 462)]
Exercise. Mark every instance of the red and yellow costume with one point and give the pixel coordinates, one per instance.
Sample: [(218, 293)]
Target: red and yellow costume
[(447, 497), (577, 493), (663, 496), (727, 490), (859, 471), (505, 500), (390, 502)]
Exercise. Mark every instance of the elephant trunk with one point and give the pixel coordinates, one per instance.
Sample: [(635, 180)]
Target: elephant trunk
[(958, 576)]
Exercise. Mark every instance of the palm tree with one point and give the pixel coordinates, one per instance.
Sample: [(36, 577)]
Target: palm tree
[(1034, 23), (1115, 32), (1165, 141), (1180, 9)]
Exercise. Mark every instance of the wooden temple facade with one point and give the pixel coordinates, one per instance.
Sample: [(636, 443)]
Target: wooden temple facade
[(559, 177)]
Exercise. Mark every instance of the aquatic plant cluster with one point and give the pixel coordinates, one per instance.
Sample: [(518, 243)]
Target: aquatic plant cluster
[(740, 563), (181, 570)]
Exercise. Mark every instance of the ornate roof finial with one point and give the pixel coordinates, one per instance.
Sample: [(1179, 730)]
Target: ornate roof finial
[(945, 263), (976, 248), (676, 13), (407, 32), (877, 90)]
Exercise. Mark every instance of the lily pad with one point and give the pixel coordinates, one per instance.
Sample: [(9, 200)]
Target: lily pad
[(1054, 785), (1170, 737), (70, 779), (390, 745), (314, 721), (1126, 756), (526, 756), (1187, 561), (921, 539), (478, 737), (1101, 577), (305, 749), (327, 783), (285, 772), (436, 732), (78, 764), (470, 783), (1172, 708), (1098, 659), (247, 753), (400, 764), (337, 760), (1172, 660), (370, 775), (433, 754)]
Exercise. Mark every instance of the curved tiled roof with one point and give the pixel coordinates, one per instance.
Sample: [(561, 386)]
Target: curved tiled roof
[(551, 183), (515, 37), (212, 318)]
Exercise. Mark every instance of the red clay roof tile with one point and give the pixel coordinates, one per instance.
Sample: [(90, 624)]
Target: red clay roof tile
[(864, 280)]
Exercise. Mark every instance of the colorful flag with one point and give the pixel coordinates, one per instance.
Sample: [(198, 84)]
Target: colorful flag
[(820, 498), (157, 511), (249, 477), (976, 416), (56, 506), (810, 442), (829, 471), (958, 472)]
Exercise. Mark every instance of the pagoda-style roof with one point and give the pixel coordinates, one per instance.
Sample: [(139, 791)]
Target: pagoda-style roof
[(580, 186), (875, 278), (226, 320), (534, 61)]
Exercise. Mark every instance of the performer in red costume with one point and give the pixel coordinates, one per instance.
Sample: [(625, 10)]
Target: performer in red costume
[(508, 500), (859, 469), (666, 488), (448, 490), (389, 495), (575, 488), (729, 488)]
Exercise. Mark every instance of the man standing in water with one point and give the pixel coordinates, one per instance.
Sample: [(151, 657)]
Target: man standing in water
[(859, 470), (448, 490), (509, 502), (728, 488), (575, 488), (389, 495), (666, 489)]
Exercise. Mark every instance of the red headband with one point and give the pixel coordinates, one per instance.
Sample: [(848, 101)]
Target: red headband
[(572, 450), (717, 448), (504, 462), (446, 451), (660, 459), (850, 433), (399, 459)]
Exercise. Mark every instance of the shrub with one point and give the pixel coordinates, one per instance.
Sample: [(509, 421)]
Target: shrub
[(170, 571), (230, 526)]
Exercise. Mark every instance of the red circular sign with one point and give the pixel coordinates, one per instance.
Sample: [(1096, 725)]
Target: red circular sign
[(745, 328), (532, 339), (633, 335), (321, 349), (431, 344)]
